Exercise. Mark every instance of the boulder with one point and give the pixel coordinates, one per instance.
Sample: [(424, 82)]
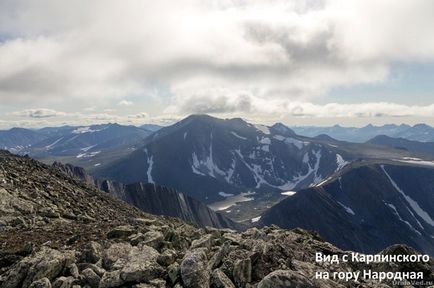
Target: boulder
[(285, 279), (41, 283), (220, 280), (121, 232), (90, 278), (194, 270), (242, 272)]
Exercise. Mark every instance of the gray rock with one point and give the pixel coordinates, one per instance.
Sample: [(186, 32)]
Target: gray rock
[(217, 258), (121, 232), (141, 265), (90, 277), (47, 263), (111, 280), (242, 272), (285, 279), (204, 242), (153, 239), (41, 283), (115, 257), (63, 282), (73, 270), (194, 270), (92, 252), (167, 257), (173, 273), (220, 280)]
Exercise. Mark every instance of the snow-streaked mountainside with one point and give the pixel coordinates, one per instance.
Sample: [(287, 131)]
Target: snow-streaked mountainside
[(18, 139), (87, 146), (365, 208), (211, 158), (419, 132)]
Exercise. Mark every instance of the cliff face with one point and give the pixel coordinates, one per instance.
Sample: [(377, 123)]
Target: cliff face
[(366, 208), (57, 231), (158, 200)]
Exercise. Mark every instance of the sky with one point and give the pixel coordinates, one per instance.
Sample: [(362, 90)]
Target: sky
[(300, 62)]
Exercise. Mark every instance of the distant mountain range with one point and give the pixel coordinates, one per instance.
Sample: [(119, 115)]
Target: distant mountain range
[(85, 146), (419, 132), (365, 208), (424, 148)]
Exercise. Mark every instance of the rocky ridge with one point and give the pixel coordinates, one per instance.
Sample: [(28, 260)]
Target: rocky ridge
[(59, 232), (156, 199)]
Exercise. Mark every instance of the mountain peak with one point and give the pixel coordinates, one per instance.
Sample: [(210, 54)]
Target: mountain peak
[(283, 129)]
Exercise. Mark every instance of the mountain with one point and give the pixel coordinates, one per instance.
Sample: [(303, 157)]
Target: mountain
[(365, 208), (57, 231), (222, 162), (17, 139), (87, 146), (157, 200), (151, 127), (424, 148), (211, 159), (419, 132)]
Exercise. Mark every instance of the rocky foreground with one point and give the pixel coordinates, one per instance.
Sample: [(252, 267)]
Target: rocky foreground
[(56, 231)]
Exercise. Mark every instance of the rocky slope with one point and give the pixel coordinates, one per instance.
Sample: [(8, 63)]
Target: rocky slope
[(156, 199), (59, 232), (365, 208)]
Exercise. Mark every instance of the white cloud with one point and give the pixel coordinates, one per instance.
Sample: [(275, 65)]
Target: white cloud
[(39, 113), (125, 103), (142, 115), (210, 55)]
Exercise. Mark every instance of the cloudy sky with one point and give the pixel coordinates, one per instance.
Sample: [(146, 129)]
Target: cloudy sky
[(301, 62)]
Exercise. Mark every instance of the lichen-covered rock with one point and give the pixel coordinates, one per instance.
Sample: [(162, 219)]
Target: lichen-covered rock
[(220, 280), (121, 232), (90, 278), (141, 266), (41, 283), (285, 279), (194, 269), (242, 272), (47, 263)]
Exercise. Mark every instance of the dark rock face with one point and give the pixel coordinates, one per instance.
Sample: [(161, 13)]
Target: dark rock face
[(366, 209), (156, 199)]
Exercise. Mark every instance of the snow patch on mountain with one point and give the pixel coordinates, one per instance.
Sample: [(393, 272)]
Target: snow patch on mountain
[(297, 143), (256, 219), (224, 194), (48, 147), (238, 136), (395, 211), (413, 204), (81, 130), (264, 129), (288, 193), (340, 162), (279, 137), (347, 209), (85, 149), (200, 165), (88, 155)]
